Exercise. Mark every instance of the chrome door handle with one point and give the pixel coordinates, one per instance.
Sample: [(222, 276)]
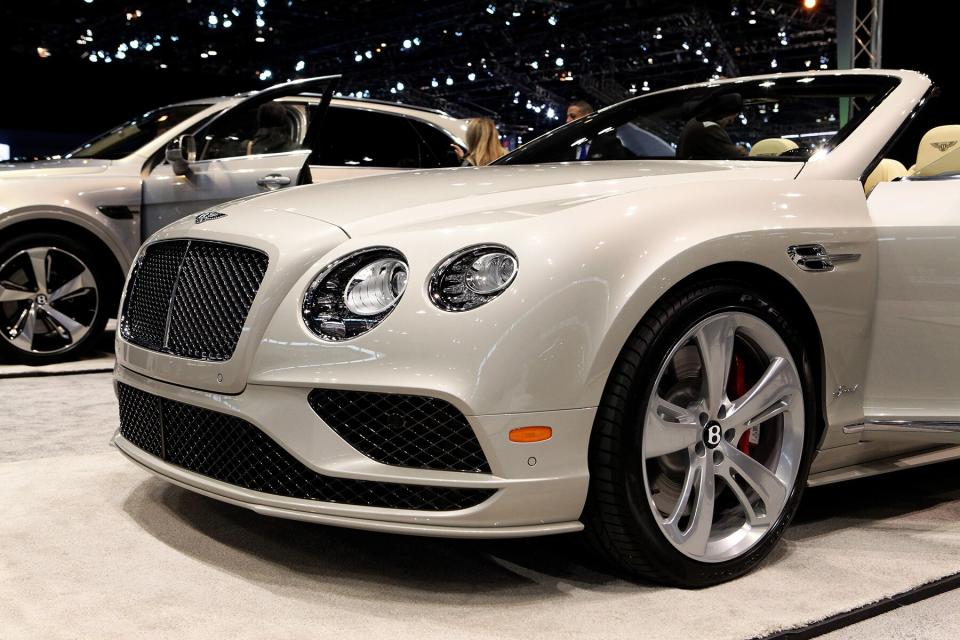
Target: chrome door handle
[(273, 181)]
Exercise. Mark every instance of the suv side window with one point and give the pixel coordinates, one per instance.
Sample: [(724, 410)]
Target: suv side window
[(437, 149), (272, 127), (360, 138)]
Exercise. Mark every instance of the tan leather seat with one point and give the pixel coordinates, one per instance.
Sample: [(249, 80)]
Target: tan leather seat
[(939, 152), (770, 147), (887, 170)]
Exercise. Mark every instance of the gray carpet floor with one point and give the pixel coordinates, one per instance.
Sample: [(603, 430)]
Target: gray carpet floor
[(93, 547), (934, 619)]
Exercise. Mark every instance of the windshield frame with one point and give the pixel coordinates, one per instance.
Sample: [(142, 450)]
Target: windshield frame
[(597, 122), (84, 152)]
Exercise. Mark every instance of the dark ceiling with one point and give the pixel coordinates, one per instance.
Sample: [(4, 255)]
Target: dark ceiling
[(519, 60)]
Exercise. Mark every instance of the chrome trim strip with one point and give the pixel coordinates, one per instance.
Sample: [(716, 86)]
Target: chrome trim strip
[(173, 296), (942, 431)]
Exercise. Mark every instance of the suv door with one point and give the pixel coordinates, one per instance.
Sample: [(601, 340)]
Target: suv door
[(261, 144)]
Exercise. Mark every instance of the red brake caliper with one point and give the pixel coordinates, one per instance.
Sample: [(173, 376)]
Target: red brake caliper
[(739, 375)]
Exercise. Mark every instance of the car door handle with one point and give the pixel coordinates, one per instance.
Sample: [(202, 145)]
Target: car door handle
[(273, 181)]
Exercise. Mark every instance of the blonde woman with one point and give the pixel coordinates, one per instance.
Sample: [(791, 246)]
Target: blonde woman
[(483, 144)]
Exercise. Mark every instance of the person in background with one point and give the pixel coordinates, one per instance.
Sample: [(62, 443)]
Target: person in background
[(605, 146), (578, 109), (704, 137), (483, 144)]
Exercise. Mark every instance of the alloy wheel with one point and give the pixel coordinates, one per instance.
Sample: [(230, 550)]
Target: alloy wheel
[(48, 300), (723, 437)]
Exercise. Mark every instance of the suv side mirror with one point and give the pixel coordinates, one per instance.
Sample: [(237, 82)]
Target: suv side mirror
[(181, 152)]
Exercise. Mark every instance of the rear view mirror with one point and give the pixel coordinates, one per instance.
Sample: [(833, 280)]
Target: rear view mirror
[(181, 152)]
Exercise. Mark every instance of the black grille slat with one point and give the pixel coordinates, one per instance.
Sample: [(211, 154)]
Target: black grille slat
[(231, 450), (140, 419), (402, 430), (151, 285), (191, 298)]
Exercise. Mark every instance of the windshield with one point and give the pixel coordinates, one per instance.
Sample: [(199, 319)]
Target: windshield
[(128, 137), (773, 119)]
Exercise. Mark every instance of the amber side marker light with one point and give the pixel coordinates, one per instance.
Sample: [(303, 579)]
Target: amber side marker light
[(530, 434)]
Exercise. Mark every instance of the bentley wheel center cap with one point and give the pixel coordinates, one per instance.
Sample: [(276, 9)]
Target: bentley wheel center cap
[(712, 434)]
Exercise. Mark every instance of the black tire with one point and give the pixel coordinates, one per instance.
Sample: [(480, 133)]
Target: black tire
[(619, 522), (99, 313)]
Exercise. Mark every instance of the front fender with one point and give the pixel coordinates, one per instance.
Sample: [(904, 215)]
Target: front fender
[(587, 276)]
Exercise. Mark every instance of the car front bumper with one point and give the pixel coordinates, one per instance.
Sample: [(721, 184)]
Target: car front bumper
[(539, 488)]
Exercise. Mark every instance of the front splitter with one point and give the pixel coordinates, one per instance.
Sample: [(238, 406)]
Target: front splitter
[(248, 499)]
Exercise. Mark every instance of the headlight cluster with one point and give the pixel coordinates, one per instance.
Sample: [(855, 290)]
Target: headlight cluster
[(472, 277), (355, 293)]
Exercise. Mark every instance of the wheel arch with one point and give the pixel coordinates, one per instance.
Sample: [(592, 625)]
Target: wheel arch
[(785, 293), (108, 255)]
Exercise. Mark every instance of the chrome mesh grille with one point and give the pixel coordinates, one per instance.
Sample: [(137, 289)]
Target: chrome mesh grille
[(231, 450), (402, 430), (191, 298)]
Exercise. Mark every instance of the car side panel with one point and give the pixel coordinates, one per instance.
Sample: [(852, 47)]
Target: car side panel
[(75, 201), (913, 370)]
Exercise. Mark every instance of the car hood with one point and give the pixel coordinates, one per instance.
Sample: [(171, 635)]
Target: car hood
[(52, 168), (422, 199)]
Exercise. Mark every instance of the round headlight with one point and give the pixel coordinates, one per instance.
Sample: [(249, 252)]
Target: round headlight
[(376, 287), (491, 273), (472, 277), (355, 293)]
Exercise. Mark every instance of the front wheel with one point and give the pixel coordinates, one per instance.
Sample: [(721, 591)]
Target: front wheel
[(703, 438), (53, 302)]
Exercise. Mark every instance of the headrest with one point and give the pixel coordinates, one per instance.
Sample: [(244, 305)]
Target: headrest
[(887, 170), (770, 147), (935, 146)]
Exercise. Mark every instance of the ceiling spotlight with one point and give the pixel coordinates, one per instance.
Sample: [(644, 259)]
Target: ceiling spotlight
[(809, 4)]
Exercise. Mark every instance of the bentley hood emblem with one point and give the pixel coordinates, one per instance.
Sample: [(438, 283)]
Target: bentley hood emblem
[(943, 146), (208, 215)]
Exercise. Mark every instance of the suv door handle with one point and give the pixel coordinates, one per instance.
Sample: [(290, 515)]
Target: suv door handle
[(273, 181)]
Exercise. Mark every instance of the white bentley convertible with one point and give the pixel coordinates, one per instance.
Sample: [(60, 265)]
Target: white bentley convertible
[(662, 344)]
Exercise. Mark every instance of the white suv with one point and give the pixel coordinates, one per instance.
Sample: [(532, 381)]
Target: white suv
[(70, 228)]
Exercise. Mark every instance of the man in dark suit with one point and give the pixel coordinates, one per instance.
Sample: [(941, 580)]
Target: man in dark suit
[(704, 137), (605, 146)]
